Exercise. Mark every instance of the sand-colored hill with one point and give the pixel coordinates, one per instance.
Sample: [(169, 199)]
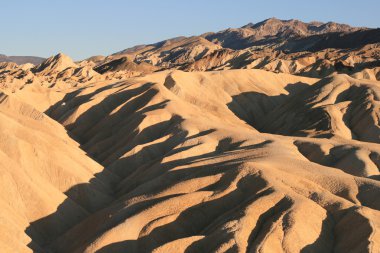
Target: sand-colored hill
[(182, 167), (361, 63), (56, 71), (122, 68), (54, 64), (171, 53), (336, 106), (42, 168), (60, 70)]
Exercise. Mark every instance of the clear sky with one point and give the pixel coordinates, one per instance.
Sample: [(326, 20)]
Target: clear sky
[(82, 28)]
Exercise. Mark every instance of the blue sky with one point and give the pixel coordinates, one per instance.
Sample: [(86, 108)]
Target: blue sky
[(82, 28)]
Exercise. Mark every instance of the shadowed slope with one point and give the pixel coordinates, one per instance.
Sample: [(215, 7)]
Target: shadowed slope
[(336, 106)]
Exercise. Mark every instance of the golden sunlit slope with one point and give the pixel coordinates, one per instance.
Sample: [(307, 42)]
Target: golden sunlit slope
[(43, 173), (192, 176)]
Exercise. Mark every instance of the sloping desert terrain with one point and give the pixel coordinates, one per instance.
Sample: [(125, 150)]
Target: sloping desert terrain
[(264, 138)]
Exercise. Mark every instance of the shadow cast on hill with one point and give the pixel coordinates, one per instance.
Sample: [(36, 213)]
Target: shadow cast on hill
[(70, 213), (87, 198), (202, 218), (252, 107)]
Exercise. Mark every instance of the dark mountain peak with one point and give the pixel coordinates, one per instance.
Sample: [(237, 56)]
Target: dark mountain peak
[(124, 64), (274, 30), (271, 22), (316, 23), (274, 24), (169, 41)]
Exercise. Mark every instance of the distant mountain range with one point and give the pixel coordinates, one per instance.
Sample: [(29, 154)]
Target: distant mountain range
[(273, 36), (269, 32), (274, 31), (22, 59)]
